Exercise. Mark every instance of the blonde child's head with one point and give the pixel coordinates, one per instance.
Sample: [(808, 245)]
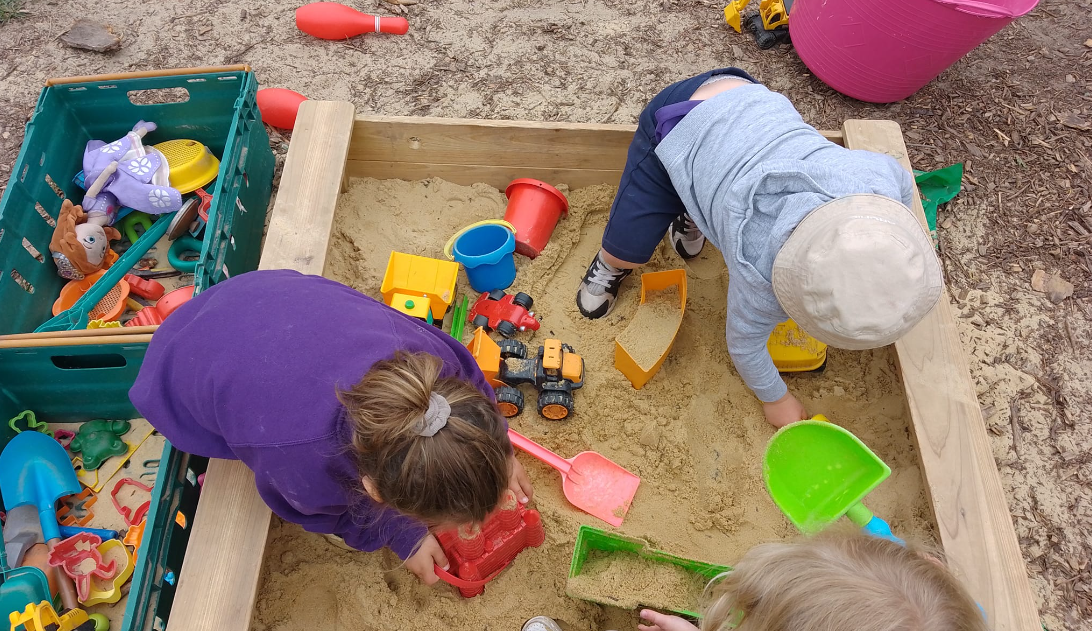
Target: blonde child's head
[(838, 581), (432, 448), (858, 272)]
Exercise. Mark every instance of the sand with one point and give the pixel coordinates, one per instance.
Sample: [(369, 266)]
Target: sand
[(649, 335), (627, 580), (694, 433)]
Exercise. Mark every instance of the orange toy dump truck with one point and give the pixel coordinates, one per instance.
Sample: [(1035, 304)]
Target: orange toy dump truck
[(555, 372)]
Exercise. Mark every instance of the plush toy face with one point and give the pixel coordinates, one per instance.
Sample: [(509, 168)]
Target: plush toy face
[(93, 239)]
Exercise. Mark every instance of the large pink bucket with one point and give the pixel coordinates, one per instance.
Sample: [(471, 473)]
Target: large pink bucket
[(883, 51)]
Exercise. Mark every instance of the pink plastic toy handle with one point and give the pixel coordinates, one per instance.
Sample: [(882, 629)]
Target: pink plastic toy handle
[(540, 452), (451, 579), (980, 9)]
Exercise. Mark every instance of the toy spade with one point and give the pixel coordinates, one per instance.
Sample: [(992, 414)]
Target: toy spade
[(816, 472), (591, 483), (34, 469)]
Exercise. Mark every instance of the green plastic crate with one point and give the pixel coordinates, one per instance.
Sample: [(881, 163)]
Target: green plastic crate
[(220, 111), (66, 384), (589, 538)]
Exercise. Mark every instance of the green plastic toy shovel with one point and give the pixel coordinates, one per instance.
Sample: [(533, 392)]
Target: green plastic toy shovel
[(816, 472)]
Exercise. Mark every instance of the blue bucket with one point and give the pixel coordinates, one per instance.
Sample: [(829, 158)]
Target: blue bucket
[(486, 253)]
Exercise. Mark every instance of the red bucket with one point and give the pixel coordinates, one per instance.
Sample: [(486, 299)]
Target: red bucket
[(533, 210)]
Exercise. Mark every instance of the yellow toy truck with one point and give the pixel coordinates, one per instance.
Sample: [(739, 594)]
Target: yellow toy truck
[(555, 371), (770, 26), (419, 286)]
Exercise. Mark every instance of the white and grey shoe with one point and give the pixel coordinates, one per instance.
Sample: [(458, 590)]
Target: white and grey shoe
[(685, 237), (541, 623), (598, 291)]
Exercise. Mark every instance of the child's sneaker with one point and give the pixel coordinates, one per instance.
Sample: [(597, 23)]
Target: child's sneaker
[(685, 237), (541, 623), (599, 289)]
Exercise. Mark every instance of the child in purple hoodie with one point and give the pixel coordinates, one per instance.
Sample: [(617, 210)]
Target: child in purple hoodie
[(357, 421)]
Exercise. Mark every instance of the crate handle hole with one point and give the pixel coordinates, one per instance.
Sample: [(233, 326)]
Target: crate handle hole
[(83, 362), (158, 96), (53, 185), (33, 251), (231, 240), (1, 235), (41, 161), (44, 215), (22, 282), (23, 175)]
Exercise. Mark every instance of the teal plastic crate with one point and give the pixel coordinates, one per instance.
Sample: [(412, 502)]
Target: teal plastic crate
[(66, 384), (217, 107)]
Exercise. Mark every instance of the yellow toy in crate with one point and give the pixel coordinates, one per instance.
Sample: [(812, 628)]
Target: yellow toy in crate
[(419, 286), (793, 350)]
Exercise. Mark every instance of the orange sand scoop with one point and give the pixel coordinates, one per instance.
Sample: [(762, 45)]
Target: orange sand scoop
[(641, 349)]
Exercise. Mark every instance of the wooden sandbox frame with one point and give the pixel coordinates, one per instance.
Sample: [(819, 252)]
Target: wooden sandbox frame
[(219, 580)]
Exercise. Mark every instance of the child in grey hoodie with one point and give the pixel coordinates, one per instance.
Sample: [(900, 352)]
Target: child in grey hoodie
[(809, 230)]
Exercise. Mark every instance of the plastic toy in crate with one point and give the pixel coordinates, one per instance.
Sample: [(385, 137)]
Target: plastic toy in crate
[(479, 553), (95, 380), (213, 107)]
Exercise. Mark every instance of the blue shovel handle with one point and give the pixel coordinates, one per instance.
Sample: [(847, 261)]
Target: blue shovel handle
[(870, 524), (879, 528)]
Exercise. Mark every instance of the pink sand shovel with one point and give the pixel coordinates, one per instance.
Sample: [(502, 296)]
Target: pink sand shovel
[(591, 483)]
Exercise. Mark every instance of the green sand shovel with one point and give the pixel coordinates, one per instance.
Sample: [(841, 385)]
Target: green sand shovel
[(816, 472)]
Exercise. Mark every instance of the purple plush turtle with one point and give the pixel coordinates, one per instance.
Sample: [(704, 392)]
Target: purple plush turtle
[(126, 173)]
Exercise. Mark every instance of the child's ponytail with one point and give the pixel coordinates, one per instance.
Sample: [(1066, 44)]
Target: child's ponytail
[(435, 448)]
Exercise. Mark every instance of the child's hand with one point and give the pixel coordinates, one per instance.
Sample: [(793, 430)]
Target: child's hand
[(662, 622), (784, 411), (427, 556), (518, 481)]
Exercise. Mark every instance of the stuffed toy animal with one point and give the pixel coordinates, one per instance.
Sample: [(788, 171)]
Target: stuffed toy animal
[(79, 248)]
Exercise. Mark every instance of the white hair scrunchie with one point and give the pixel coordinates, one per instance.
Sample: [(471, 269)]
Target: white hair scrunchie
[(435, 418)]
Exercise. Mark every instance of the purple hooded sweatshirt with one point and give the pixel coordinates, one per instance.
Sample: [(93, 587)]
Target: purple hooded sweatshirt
[(249, 370)]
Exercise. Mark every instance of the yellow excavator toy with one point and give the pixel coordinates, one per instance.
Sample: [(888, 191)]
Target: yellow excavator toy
[(770, 26)]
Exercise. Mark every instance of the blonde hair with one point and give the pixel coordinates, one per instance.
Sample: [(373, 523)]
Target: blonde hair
[(836, 581), (454, 476)]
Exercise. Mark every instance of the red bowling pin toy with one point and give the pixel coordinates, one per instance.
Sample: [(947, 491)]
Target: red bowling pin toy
[(279, 106), (330, 20)]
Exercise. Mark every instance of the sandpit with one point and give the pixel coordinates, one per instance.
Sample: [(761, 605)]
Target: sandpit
[(694, 433)]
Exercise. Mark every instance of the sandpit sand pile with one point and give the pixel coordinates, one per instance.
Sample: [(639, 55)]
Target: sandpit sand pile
[(627, 580), (695, 434), (653, 327)]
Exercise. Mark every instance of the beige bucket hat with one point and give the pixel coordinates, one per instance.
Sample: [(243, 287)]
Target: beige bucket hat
[(858, 272)]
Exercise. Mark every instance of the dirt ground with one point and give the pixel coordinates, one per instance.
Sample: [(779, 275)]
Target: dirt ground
[(1017, 112)]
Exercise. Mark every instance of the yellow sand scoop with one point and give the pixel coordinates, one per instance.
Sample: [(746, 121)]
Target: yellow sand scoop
[(624, 358)]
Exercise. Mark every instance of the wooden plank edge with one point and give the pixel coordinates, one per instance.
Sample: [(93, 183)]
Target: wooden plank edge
[(76, 341), (973, 519), (501, 143), (107, 332), (467, 175), (219, 580), (361, 121), (303, 213)]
